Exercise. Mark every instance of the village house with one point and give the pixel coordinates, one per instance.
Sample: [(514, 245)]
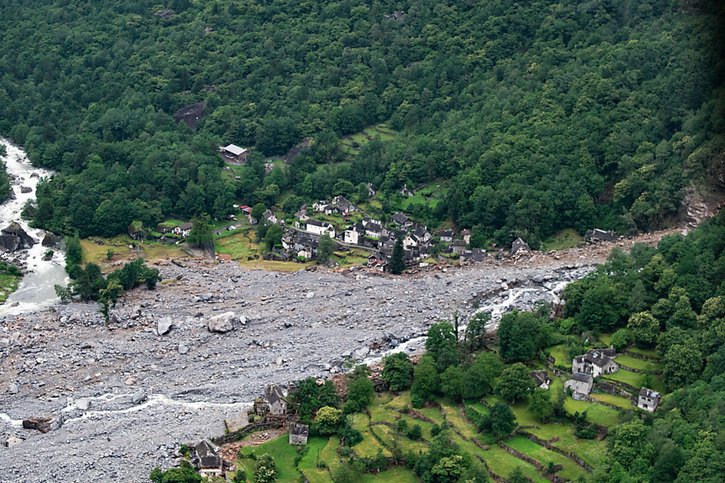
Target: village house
[(473, 255), (458, 247), (371, 190), (375, 230), (302, 213), (410, 242), (406, 192), (421, 233), (519, 246), (269, 217), (207, 459), (541, 379), (402, 220), (343, 205), (183, 230), (377, 260), (446, 236), (595, 362), (320, 228), (580, 385), (597, 235), (275, 398), (353, 234), (298, 434), (322, 206), (466, 235), (234, 153), (260, 407), (648, 399)]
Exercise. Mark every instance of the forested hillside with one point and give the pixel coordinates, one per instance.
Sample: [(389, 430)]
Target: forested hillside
[(530, 116)]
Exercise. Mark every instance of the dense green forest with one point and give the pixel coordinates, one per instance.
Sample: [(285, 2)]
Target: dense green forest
[(532, 116)]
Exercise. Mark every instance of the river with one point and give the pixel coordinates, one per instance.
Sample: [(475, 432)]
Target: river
[(36, 290)]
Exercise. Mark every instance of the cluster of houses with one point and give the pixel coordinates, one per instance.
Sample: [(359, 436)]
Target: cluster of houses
[(598, 362), (370, 234), (272, 406)]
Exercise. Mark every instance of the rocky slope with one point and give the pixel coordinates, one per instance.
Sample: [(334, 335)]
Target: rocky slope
[(163, 372)]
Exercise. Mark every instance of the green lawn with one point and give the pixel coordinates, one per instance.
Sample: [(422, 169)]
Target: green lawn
[(618, 401), (238, 244), (622, 375), (560, 355), (649, 353), (567, 238), (329, 453), (308, 463), (504, 463), (591, 451), (396, 475), (283, 454), (369, 446), (455, 417), (570, 470), (596, 413), (634, 363)]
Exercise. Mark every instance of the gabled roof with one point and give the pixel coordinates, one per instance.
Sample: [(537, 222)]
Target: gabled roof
[(649, 393), (401, 218), (581, 377), (298, 429), (234, 149), (273, 394), (317, 223)]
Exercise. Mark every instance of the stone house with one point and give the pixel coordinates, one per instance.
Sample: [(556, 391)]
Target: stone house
[(402, 220), (597, 235), (446, 236), (298, 434), (269, 217), (275, 398), (320, 228), (541, 379), (207, 459), (353, 234), (519, 246), (580, 385), (183, 230), (648, 399), (458, 247), (595, 362), (343, 205)]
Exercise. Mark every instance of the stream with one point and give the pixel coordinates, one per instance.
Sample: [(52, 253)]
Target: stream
[(37, 289)]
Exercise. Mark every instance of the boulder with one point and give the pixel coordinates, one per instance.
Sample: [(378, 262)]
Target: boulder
[(183, 348), (11, 440), (163, 325), (9, 243), (26, 189), (49, 240), (14, 228), (222, 323), (43, 424)]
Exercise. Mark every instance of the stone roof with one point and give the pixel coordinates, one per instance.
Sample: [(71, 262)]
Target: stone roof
[(649, 393), (581, 377), (298, 429), (273, 394)]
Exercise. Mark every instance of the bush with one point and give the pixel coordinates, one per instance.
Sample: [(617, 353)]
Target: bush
[(415, 433), (265, 469)]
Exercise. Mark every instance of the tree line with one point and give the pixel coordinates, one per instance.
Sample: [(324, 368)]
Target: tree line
[(533, 117)]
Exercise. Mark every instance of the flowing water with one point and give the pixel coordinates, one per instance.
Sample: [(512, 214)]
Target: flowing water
[(37, 287)]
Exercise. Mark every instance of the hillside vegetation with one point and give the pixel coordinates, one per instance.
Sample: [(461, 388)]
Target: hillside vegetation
[(545, 115)]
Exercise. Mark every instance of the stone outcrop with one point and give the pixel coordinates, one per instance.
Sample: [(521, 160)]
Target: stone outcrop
[(14, 229), (49, 240)]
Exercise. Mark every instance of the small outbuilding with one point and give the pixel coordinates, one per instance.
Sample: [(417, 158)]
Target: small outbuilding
[(580, 385), (298, 434), (234, 153), (648, 399)]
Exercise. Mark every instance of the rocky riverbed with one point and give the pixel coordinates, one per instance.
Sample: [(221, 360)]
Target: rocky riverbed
[(163, 372)]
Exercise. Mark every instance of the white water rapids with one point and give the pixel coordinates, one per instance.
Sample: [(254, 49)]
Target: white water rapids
[(37, 289)]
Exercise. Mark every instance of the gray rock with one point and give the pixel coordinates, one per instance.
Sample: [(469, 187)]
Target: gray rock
[(14, 229), (13, 388), (163, 325), (11, 440), (49, 240), (83, 404), (138, 397), (221, 323), (183, 348), (43, 424)]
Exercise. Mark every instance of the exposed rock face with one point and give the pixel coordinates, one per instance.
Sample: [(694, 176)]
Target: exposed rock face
[(49, 240), (9, 243), (43, 424), (14, 229), (222, 323)]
